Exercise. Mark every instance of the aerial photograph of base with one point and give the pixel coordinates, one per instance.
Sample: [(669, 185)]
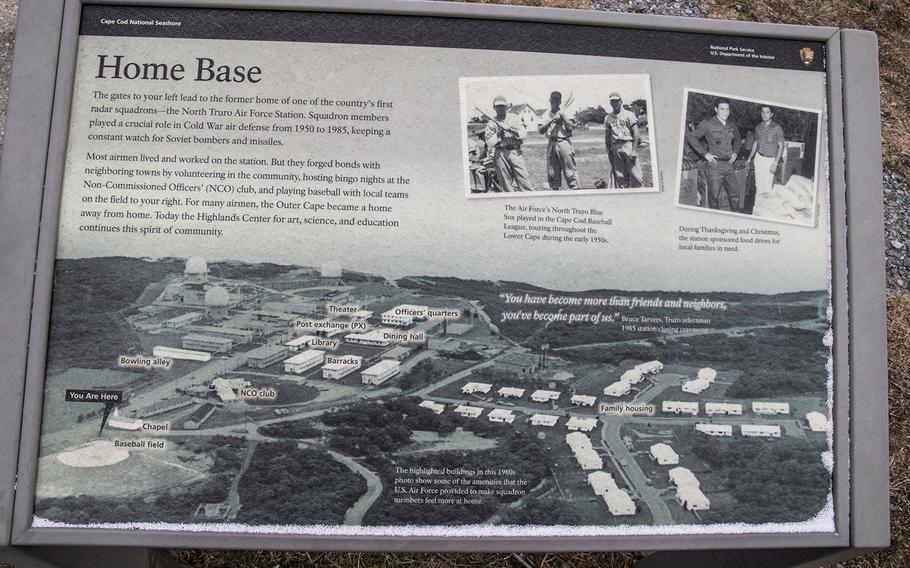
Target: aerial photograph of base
[(201, 391)]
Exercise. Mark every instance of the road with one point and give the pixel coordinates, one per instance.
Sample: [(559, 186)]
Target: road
[(355, 514), (214, 368), (646, 395), (463, 374), (233, 499), (626, 463)]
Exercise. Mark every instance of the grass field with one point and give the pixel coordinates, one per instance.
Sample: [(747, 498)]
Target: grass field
[(590, 159)]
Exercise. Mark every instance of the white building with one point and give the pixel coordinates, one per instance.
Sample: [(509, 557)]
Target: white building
[(265, 356), (119, 423), (548, 420), (182, 320), (471, 388), (237, 335), (299, 343), (619, 503), (527, 114), (663, 454), (305, 361), (275, 318), (211, 343), (650, 367), (468, 411), (375, 338), (817, 422), (578, 441), (404, 315), (398, 320), (381, 372), (679, 407), (399, 353), (768, 408), (501, 415), (588, 459), (391, 318), (715, 429), (683, 477), (583, 400), (692, 499), (760, 430), (544, 395), (511, 392), (184, 354), (581, 424), (708, 374), (225, 388), (696, 386), (217, 302), (196, 270), (632, 376), (727, 409), (434, 406), (619, 388), (601, 482), (336, 368)]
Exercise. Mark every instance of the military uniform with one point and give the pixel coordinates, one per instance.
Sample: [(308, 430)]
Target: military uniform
[(508, 161), (560, 155), (626, 166), (723, 142), (477, 153), (691, 190)]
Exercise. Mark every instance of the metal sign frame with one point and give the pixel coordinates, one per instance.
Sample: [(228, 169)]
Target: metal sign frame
[(30, 188)]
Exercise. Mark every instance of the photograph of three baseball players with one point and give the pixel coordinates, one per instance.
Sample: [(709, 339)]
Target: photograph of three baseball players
[(578, 133), (595, 134)]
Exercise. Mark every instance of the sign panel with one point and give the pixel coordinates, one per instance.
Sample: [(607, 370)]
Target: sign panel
[(371, 275)]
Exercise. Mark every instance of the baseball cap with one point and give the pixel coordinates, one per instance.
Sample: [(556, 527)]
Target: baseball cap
[(614, 95), (499, 100)]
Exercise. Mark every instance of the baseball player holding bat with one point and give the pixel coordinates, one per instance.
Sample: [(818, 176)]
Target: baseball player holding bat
[(560, 154), (504, 135)]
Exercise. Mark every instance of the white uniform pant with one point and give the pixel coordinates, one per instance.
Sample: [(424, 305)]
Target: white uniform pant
[(764, 177)]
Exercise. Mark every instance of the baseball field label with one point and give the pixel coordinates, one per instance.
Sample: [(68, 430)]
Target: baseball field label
[(438, 289)]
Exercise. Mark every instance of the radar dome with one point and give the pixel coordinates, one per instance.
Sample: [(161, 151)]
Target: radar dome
[(331, 269), (216, 297), (196, 265)]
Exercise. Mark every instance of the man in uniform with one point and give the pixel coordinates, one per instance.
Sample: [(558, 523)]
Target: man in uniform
[(691, 179), (622, 139), (720, 148), (477, 154), (560, 155), (767, 150), (505, 135)]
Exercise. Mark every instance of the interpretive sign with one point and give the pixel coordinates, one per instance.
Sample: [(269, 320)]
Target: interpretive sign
[(386, 275)]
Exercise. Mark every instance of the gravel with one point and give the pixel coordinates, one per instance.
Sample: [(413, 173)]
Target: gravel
[(8, 11), (689, 8), (897, 231), (896, 190)]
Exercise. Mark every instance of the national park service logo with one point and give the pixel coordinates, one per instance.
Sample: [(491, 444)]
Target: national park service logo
[(807, 54)]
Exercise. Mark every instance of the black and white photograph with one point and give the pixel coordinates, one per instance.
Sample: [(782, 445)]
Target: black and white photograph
[(749, 157), (572, 133)]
